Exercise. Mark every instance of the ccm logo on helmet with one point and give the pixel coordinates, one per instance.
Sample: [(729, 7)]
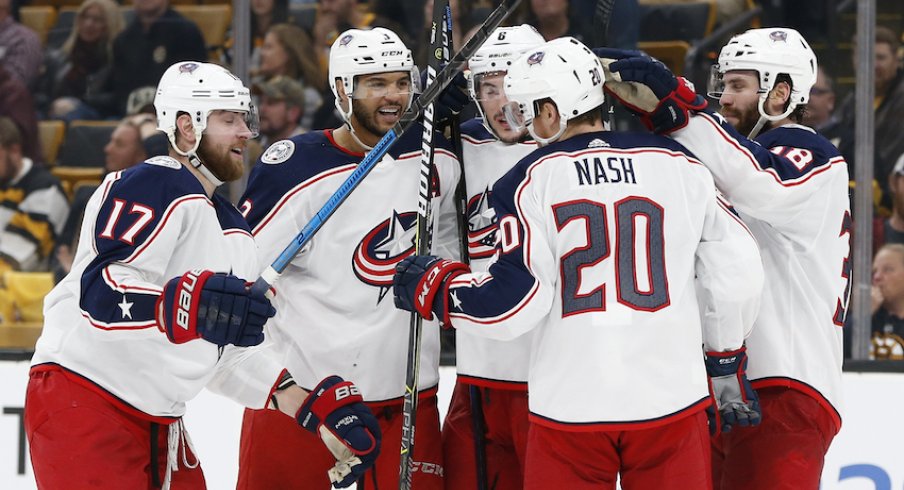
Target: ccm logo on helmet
[(184, 309), (391, 53)]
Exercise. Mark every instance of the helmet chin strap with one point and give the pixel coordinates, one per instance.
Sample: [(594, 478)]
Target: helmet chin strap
[(545, 141), (764, 117), (347, 118), (195, 160)]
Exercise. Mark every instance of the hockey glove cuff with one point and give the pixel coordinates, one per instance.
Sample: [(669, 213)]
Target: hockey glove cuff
[(736, 402), (421, 284), (214, 306), (335, 411)]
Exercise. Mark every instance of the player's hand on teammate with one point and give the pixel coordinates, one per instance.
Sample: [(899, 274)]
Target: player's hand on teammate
[(648, 88), (421, 284), (335, 411), (214, 306), (451, 100), (736, 401)]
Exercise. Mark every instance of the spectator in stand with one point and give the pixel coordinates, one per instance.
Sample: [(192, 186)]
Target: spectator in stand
[(820, 114), (888, 104), (888, 303), (287, 51), (552, 18), (34, 206), (20, 47), (264, 15), (76, 81), (125, 149), (335, 16), (156, 38), (891, 229), (17, 104), (281, 107)]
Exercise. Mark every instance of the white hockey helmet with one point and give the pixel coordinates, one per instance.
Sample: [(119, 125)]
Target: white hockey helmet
[(563, 70), (365, 52), (770, 52), (198, 89), (503, 47)]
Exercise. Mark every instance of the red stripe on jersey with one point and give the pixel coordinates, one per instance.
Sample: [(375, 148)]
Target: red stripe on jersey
[(169, 212), (803, 388), (329, 135), (237, 231), (110, 397), (492, 383), (108, 278), (753, 161), (297, 189), (119, 325), (475, 141), (617, 426)]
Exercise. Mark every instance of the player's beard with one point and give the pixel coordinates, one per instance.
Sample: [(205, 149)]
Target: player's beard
[(368, 120), (219, 161), (747, 118)]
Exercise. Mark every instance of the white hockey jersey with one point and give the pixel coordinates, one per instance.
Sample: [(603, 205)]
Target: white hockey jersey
[(791, 188), (334, 302), (479, 360), (143, 227), (617, 250)]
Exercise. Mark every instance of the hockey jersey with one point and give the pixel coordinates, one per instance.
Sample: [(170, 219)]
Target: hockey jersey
[(791, 188), (482, 361), (617, 251), (142, 227), (334, 302)]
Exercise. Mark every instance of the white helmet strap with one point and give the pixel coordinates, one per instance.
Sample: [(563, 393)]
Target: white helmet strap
[(193, 157), (764, 116)]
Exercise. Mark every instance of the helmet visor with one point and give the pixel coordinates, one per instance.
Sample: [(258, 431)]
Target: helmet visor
[(516, 117), (488, 86), (230, 121), (400, 84), (715, 87)]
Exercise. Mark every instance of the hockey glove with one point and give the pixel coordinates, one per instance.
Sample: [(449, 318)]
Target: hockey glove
[(451, 101), (735, 399), (421, 284), (648, 89), (214, 306), (336, 412)]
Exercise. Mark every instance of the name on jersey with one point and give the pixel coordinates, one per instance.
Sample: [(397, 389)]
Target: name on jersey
[(592, 171)]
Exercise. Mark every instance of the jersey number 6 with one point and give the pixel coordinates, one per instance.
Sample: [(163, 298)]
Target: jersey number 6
[(636, 219)]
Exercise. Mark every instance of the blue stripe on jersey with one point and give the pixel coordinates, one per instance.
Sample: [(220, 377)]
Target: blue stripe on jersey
[(790, 152), (131, 213), (314, 154)]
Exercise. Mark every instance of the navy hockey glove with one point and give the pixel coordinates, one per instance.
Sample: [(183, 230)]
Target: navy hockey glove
[(335, 411), (421, 284), (735, 399), (648, 89), (451, 101), (214, 306)]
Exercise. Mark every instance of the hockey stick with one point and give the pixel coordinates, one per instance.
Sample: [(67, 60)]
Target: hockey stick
[(443, 78), (601, 15), (422, 244)]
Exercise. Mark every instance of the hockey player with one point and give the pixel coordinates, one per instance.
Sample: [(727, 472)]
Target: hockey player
[(492, 375), (790, 187), (608, 242), (130, 336), (334, 311)]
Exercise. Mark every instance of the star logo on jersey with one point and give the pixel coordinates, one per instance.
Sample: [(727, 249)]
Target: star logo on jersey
[(126, 308), (456, 303), (384, 246), (481, 226)]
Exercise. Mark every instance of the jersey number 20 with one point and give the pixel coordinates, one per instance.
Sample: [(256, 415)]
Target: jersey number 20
[(630, 214)]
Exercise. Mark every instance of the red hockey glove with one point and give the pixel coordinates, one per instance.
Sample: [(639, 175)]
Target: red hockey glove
[(736, 401), (421, 284), (214, 306), (336, 412), (646, 87)]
